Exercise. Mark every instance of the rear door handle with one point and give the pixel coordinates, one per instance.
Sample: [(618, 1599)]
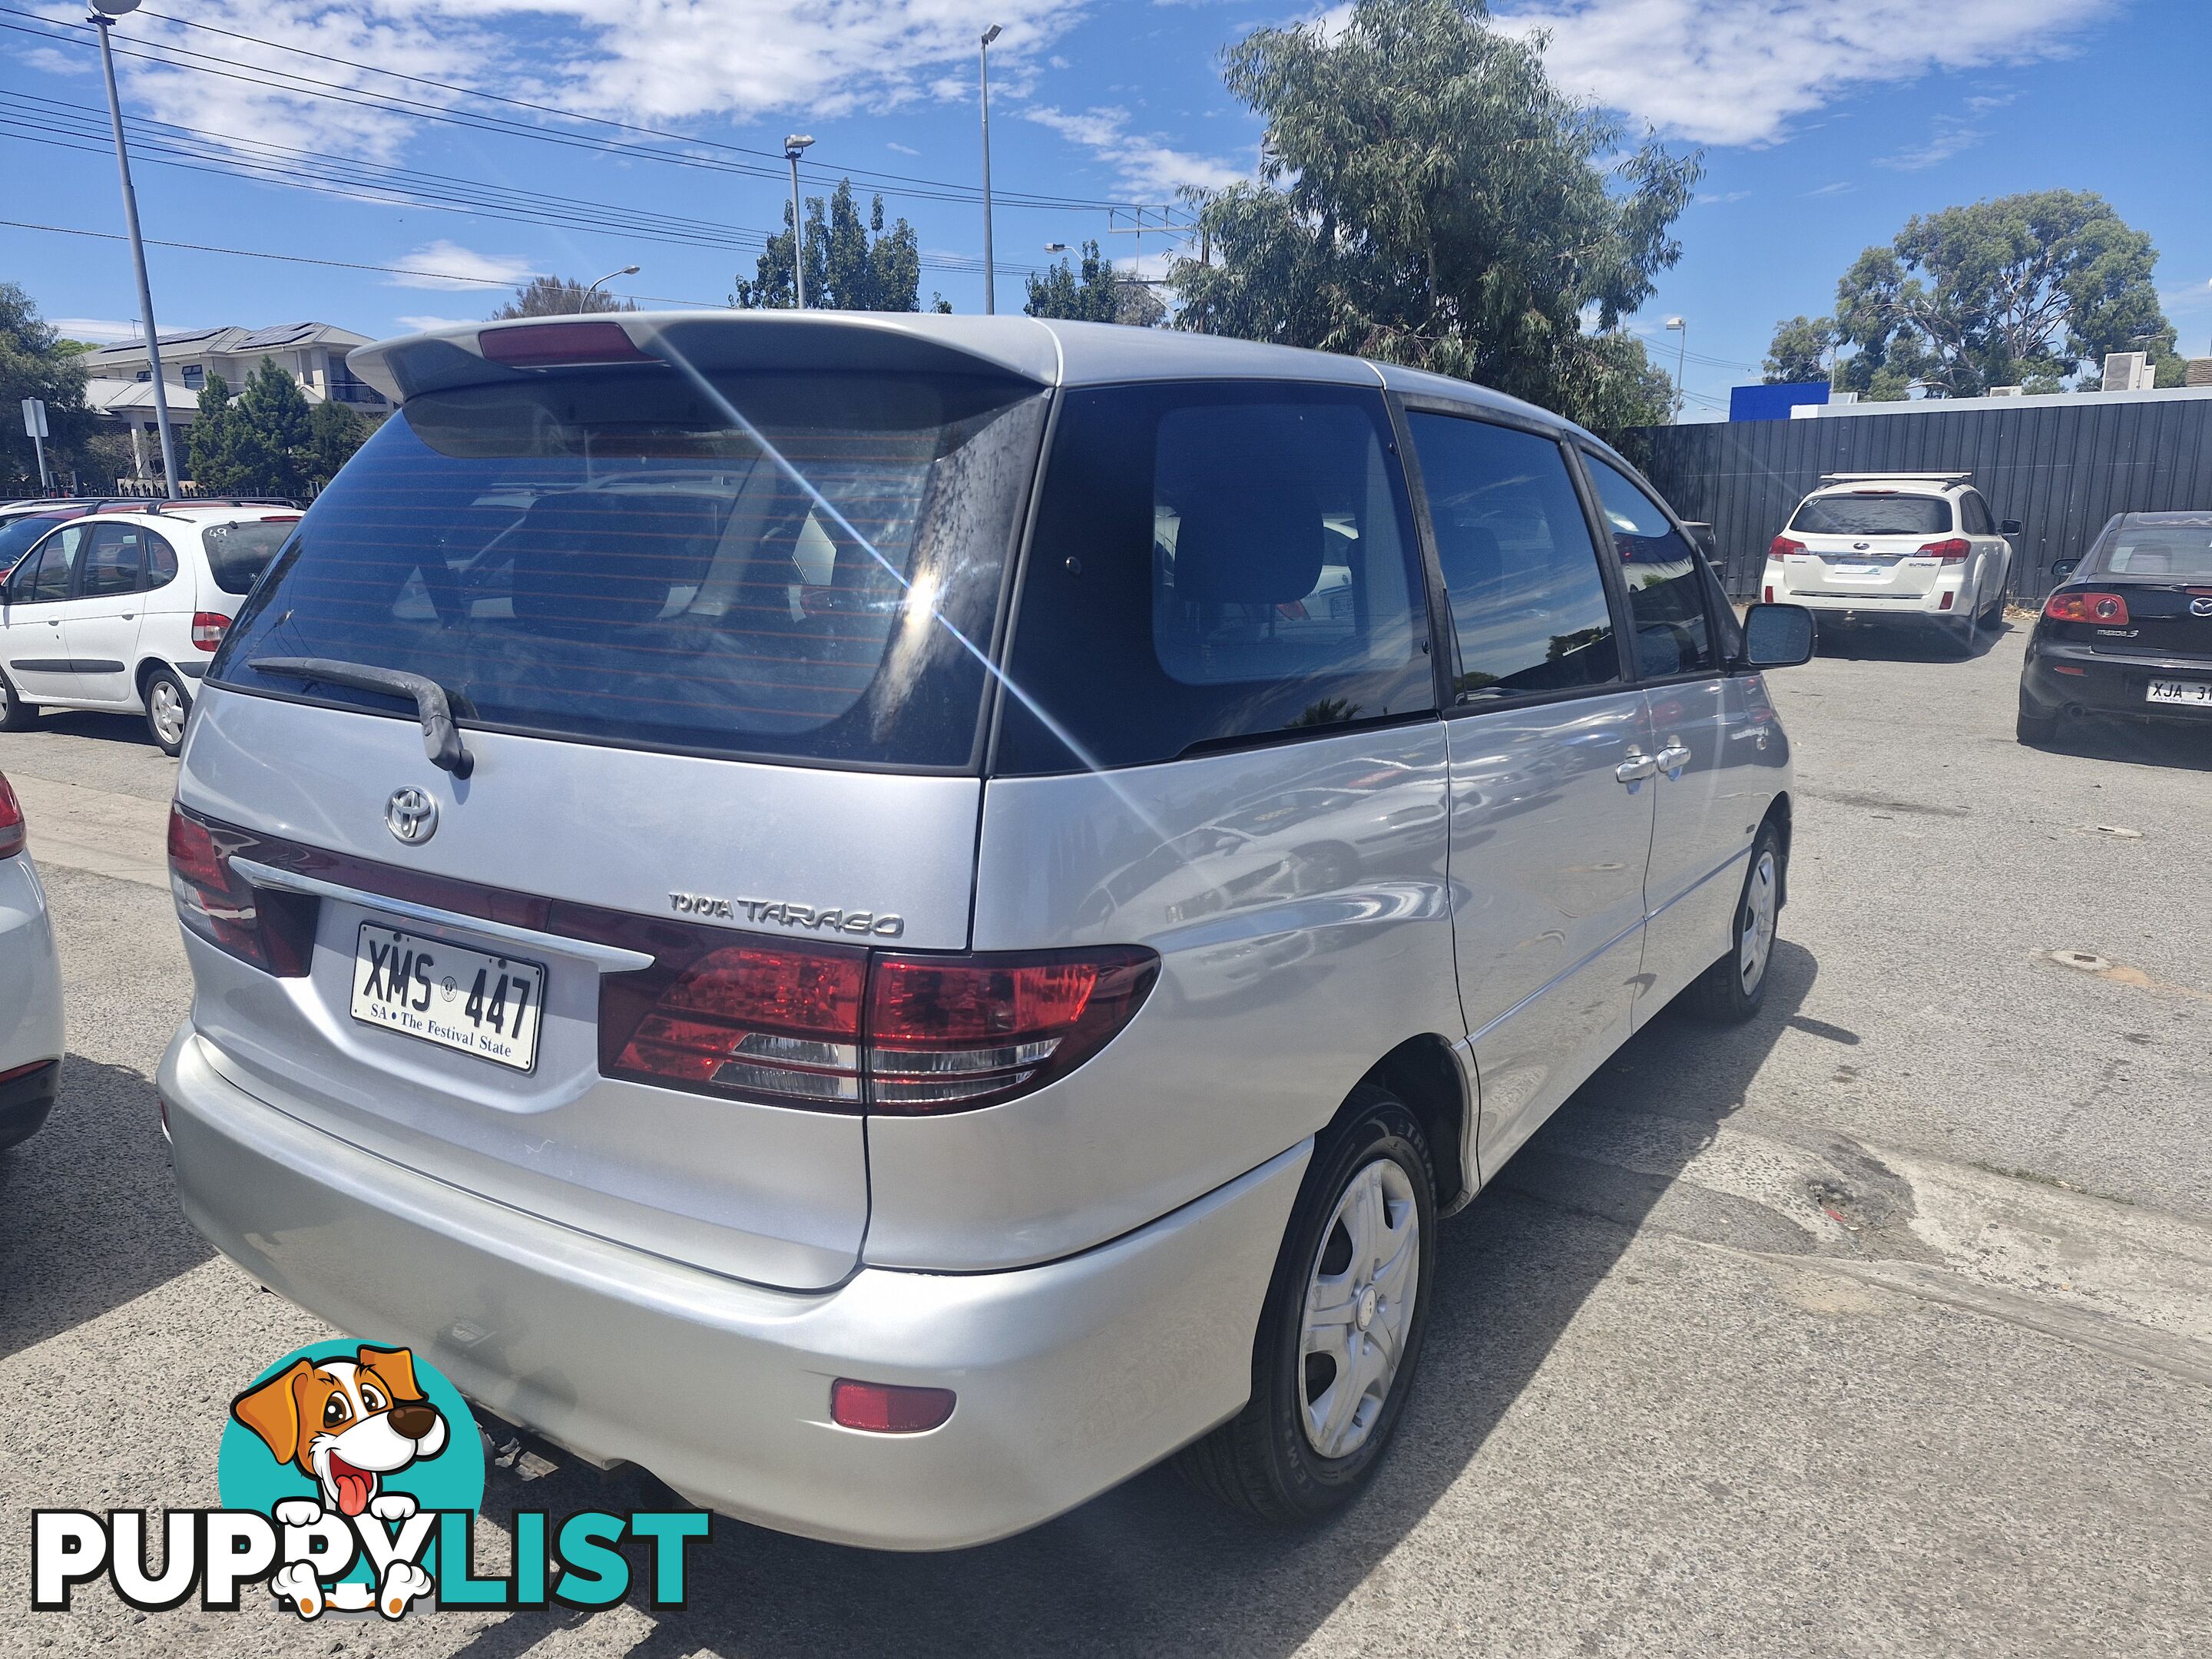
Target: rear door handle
[(1672, 759), (1637, 767)]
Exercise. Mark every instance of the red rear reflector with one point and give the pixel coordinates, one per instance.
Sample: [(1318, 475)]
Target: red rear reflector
[(207, 628), (1945, 604), (547, 345), (1770, 595), (1957, 550), (11, 822), (1781, 546), (14, 1073), (885, 1408), (2080, 605), (2063, 669)]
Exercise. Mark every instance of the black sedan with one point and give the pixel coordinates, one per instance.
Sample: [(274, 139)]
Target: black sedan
[(2129, 632)]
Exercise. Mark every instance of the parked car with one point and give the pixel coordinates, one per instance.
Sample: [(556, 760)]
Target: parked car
[(30, 986), (122, 610), (935, 916), (2128, 631), (1870, 545), (22, 532)]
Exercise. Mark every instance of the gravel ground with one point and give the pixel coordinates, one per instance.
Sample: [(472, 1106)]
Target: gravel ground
[(1880, 1326)]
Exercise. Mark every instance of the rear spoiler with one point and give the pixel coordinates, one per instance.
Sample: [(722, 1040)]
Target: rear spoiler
[(1895, 477), (710, 341)]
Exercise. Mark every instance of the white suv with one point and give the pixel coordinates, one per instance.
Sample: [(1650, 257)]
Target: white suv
[(122, 610), (1917, 545)]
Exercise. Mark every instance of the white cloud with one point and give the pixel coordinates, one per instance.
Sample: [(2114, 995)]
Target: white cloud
[(451, 266), (903, 150), (100, 331), (1741, 72), (1144, 164), (438, 322), (2182, 299), (1841, 187), (1949, 136), (1721, 198)]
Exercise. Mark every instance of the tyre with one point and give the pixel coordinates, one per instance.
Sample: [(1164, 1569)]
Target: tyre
[(1966, 635), (1340, 1337), (168, 704), (15, 714), (1731, 990), (2035, 730)]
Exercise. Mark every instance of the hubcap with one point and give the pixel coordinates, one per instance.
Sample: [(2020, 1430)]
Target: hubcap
[(1360, 1304), (168, 711), (1757, 942)]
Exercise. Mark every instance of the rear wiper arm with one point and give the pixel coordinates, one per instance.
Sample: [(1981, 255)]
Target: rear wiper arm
[(441, 739)]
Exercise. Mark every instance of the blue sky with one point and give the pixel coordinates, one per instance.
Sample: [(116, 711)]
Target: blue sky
[(1826, 125)]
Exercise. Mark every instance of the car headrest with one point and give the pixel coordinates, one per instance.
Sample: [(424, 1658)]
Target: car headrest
[(603, 559), (1254, 536)]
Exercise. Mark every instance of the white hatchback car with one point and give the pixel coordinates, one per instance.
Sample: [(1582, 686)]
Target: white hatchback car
[(1919, 544), (30, 987), (122, 610)]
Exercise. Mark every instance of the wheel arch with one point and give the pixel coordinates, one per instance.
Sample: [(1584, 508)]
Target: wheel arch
[(1426, 1074)]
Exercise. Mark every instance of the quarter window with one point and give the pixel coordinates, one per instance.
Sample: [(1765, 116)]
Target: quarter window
[(1666, 592), (1528, 596), (1214, 563)]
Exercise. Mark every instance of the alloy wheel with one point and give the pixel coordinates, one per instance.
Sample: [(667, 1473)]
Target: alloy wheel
[(168, 710), (1757, 939), (1359, 1308)]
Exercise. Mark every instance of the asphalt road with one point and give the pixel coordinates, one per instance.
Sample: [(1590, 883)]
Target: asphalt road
[(1882, 1326)]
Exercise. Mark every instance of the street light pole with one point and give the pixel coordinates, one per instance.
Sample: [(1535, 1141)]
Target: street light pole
[(983, 84), (791, 148), (104, 16), (626, 271), (1681, 351)]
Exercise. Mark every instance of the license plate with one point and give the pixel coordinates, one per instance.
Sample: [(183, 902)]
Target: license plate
[(2198, 694), (470, 1001)]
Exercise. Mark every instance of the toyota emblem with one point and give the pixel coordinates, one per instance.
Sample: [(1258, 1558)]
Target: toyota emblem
[(411, 816)]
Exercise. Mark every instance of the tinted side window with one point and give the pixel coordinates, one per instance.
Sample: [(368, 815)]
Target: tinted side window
[(1528, 596), (1976, 514), (1666, 594), (46, 575), (161, 561), (1213, 562), (113, 561)]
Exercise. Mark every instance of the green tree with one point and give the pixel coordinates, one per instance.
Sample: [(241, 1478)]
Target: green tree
[(37, 362), (852, 263), (274, 430), (334, 432), (215, 449), (1095, 294), (1799, 353), (1430, 198), (2000, 292), (558, 296)]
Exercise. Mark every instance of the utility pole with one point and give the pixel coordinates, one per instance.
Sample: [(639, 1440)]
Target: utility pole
[(1681, 352), (792, 146), (103, 15), (983, 85)]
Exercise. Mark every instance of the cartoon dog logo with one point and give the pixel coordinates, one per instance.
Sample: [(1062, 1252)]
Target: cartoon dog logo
[(346, 1424)]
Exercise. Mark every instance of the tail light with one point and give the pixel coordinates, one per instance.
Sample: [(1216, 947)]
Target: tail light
[(207, 628), (274, 931), (838, 1028), (887, 1409), (1956, 550), (1783, 546), (11, 822), (948, 1033), (2080, 605)]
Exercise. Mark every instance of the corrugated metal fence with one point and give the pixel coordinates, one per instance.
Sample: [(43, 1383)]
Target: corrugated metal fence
[(2061, 471)]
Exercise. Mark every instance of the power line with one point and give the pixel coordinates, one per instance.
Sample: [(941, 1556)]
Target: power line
[(292, 83)]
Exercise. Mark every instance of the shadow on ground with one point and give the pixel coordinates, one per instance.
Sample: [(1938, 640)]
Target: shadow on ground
[(1153, 1568), (89, 723), (1897, 640), (91, 1220)]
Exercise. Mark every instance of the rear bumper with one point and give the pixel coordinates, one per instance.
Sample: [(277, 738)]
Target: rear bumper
[(1070, 1377), (2058, 678), (30, 1001), (1941, 602)]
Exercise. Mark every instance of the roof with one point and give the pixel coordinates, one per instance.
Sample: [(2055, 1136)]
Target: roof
[(1047, 351), (206, 342), (107, 395)]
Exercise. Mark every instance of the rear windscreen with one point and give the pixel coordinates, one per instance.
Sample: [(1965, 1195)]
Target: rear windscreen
[(2157, 552), (770, 565), (1873, 515), (239, 553)]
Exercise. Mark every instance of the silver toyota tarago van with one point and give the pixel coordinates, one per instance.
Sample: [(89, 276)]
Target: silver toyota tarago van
[(895, 917)]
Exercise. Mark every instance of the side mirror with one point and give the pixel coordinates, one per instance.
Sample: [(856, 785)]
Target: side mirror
[(2065, 566), (1703, 538), (1777, 636), (2008, 527)]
